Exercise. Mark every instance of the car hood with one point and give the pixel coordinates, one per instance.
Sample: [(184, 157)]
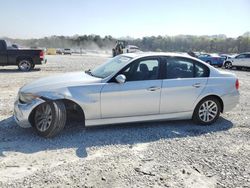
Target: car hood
[(59, 81)]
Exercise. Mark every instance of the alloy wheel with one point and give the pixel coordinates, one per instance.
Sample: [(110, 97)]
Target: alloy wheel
[(228, 65), (43, 117), (208, 111)]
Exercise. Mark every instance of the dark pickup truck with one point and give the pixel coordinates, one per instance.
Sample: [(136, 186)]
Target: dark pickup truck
[(25, 59)]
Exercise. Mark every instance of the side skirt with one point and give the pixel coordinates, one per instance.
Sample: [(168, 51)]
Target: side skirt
[(172, 116)]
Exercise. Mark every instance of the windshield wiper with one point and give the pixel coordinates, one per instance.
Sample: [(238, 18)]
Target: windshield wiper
[(89, 72)]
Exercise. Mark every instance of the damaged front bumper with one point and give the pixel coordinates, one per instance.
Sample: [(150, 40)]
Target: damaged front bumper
[(22, 111)]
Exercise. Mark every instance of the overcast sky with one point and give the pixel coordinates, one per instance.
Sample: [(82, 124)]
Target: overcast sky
[(119, 18)]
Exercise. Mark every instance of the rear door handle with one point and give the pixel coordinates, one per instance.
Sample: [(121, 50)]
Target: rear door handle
[(197, 85), (153, 88)]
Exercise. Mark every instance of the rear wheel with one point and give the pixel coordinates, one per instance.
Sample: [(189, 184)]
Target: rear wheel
[(228, 65), (25, 65), (50, 118), (207, 111)]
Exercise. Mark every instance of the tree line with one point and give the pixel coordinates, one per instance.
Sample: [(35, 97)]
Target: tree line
[(180, 43)]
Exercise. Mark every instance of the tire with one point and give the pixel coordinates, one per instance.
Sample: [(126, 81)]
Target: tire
[(228, 65), (202, 109), (50, 118), (25, 65)]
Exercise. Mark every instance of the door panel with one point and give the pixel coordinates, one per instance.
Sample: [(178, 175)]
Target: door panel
[(179, 95), (133, 98), (239, 60), (185, 80), (247, 61), (139, 95)]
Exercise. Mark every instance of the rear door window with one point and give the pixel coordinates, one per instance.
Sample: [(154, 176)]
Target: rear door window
[(200, 70), (247, 55), (178, 67), (241, 56)]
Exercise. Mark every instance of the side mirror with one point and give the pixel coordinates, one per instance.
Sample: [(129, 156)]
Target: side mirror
[(120, 78)]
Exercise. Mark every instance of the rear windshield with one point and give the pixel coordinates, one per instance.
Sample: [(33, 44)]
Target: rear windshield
[(10, 45)]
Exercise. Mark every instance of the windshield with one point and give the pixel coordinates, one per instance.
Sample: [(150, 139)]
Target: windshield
[(110, 67)]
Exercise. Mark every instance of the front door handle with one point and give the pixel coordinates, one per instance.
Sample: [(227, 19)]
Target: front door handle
[(197, 85), (153, 88)]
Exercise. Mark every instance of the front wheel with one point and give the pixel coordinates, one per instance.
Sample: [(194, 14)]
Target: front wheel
[(50, 118), (207, 111)]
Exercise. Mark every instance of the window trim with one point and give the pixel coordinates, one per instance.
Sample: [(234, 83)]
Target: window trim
[(194, 62)]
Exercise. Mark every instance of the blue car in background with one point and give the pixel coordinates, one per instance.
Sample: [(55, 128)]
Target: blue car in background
[(212, 59)]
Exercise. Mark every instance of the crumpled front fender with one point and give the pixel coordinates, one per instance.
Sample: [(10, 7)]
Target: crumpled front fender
[(51, 95)]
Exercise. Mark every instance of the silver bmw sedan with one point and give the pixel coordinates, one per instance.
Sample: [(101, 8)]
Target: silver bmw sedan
[(129, 88)]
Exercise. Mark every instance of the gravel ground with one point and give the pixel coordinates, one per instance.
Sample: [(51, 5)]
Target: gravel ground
[(158, 154)]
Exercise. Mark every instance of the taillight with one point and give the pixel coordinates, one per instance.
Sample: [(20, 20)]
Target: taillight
[(237, 84), (41, 54)]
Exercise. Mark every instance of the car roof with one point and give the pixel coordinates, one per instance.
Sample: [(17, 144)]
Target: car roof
[(148, 54), (138, 55)]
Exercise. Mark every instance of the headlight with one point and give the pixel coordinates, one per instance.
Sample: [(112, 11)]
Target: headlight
[(27, 97)]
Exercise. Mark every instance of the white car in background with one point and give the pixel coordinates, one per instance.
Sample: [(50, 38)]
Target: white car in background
[(240, 61), (67, 51), (131, 49)]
